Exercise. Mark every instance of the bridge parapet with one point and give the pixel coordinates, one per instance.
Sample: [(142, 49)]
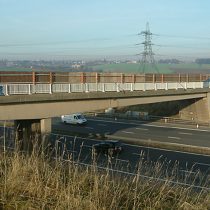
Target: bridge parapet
[(16, 89), (53, 82)]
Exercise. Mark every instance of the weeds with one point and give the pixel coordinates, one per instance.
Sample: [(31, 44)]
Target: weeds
[(34, 182)]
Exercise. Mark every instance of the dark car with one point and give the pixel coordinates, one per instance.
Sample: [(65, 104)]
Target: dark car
[(108, 147)]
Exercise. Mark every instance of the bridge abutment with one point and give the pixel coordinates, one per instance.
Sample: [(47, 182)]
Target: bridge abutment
[(198, 111), (32, 133)]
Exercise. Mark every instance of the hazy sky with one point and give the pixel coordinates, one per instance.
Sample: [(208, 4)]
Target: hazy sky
[(69, 29)]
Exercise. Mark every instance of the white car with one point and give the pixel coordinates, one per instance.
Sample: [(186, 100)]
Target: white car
[(76, 119)]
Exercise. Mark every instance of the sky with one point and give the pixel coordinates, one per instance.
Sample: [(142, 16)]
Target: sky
[(96, 29)]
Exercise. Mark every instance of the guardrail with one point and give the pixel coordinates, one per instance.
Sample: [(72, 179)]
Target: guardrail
[(15, 89)]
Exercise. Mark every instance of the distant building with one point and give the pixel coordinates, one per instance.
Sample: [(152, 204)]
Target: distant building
[(131, 61), (76, 66)]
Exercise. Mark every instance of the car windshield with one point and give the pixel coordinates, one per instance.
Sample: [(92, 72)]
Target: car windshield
[(80, 117)]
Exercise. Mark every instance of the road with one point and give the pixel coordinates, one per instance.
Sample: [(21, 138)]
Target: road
[(188, 164), (180, 166), (141, 130)]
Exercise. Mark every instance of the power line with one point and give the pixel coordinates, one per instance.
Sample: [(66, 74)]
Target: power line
[(66, 42), (182, 37)]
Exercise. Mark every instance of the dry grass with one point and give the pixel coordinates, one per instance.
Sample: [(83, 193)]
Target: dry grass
[(36, 182)]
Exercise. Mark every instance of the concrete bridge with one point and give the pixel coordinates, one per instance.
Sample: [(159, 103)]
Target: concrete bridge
[(33, 101)]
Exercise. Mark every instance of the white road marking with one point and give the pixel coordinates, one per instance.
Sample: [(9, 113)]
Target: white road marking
[(122, 160), (89, 128), (185, 133), (128, 132), (135, 145), (173, 137), (143, 129), (155, 148), (204, 164), (138, 154)]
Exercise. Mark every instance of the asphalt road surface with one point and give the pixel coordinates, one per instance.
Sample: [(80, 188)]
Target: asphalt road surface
[(188, 164), (138, 130), (157, 163)]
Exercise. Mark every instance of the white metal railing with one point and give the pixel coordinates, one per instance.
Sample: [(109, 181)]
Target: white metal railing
[(14, 89)]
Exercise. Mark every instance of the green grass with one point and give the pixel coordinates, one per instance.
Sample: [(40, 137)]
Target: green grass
[(161, 68), (14, 69), (134, 68)]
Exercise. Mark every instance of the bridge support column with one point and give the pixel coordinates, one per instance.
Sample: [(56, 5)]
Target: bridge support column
[(208, 106), (31, 133)]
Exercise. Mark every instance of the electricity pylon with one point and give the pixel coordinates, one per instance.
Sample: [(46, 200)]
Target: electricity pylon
[(147, 60)]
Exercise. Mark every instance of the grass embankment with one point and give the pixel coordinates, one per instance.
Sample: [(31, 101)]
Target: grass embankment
[(34, 182)]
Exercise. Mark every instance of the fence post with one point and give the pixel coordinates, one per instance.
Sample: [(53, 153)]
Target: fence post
[(86, 88), (34, 77), (6, 90), (97, 77), (50, 78), (179, 78), (97, 80), (117, 87), (96, 87), (69, 88), (29, 89), (132, 84), (187, 79), (155, 86), (133, 78), (153, 78), (82, 78), (162, 78), (50, 88), (122, 78), (166, 86), (103, 87)]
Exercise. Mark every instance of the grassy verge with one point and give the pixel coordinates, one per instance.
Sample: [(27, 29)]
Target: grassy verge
[(35, 182)]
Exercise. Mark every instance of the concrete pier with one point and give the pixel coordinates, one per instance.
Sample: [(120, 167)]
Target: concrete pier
[(198, 110), (30, 133)]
